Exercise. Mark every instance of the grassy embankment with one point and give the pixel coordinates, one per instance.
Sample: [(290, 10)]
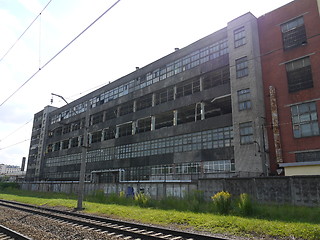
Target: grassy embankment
[(264, 221)]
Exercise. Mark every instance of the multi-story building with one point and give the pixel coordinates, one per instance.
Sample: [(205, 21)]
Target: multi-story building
[(196, 113), (290, 45), (202, 111)]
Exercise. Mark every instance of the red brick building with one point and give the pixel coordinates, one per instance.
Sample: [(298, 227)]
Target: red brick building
[(290, 58)]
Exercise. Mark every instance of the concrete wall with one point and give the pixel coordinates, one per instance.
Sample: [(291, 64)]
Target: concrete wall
[(298, 190)]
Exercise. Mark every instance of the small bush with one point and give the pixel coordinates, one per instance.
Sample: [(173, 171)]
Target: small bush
[(222, 202), (142, 199), (245, 204)]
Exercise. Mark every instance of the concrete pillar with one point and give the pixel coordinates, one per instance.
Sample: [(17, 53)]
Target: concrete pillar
[(174, 92), (117, 131), (153, 99), (202, 111), (153, 123), (134, 106), (118, 111), (201, 84), (134, 127), (175, 117)]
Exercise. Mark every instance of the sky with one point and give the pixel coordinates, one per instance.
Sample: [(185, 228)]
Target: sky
[(132, 34)]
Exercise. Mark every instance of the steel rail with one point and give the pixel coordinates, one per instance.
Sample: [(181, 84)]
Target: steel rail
[(110, 225)]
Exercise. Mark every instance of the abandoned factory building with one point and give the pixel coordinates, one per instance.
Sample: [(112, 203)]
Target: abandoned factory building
[(215, 108)]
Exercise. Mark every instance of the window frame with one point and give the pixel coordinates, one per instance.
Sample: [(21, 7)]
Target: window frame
[(242, 67), (246, 133), (305, 116)]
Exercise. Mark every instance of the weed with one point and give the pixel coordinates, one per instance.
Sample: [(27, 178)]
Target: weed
[(222, 202), (245, 204)]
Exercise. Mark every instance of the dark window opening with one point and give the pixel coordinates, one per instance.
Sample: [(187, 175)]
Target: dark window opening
[(126, 108), (164, 96), (144, 102), (299, 75), (144, 125), (216, 78), (164, 120), (311, 156), (125, 130), (109, 133), (111, 114), (97, 118), (186, 114), (65, 144), (96, 137), (75, 142), (293, 33)]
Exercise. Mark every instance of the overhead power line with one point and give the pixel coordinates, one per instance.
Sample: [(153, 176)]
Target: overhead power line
[(24, 32), (59, 52)]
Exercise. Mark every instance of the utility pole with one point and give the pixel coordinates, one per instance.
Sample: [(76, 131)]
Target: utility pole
[(85, 146)]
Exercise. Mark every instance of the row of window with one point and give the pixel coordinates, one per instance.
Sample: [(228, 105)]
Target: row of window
[(192, 60), (209, 139), (212, 79), (154, 172)]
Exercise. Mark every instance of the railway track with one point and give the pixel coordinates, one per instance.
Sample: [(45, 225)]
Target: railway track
[(7, 233), (121, 229)]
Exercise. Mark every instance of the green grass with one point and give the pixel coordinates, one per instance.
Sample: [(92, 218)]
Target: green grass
[(280, 222)]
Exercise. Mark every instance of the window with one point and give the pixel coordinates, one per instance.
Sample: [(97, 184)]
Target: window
[(239, 37), (308, 156), (246, 133), (299, 75), (293, 33), (97, 118), (305, 120), (242, 67), (244, 101), (96, 137)]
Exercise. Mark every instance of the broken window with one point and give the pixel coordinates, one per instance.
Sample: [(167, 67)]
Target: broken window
[(299, 74), (65, 144), (164, 120), (165, 95), (293, 33), (215, 78), (125, 130), (186, 114), (144, 102), (126, 108), (109, 133), (58, 131), (97, 118), (188, 88), (56, 146), (67, 128), (111, 113), (75, 142), (144, 125), (96, 137)]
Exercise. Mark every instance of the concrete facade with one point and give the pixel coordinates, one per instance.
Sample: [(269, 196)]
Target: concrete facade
[(249, 156)]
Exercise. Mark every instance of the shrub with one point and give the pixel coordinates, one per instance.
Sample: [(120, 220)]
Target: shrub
[(142, 199), (222, 202), (245, 204)]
